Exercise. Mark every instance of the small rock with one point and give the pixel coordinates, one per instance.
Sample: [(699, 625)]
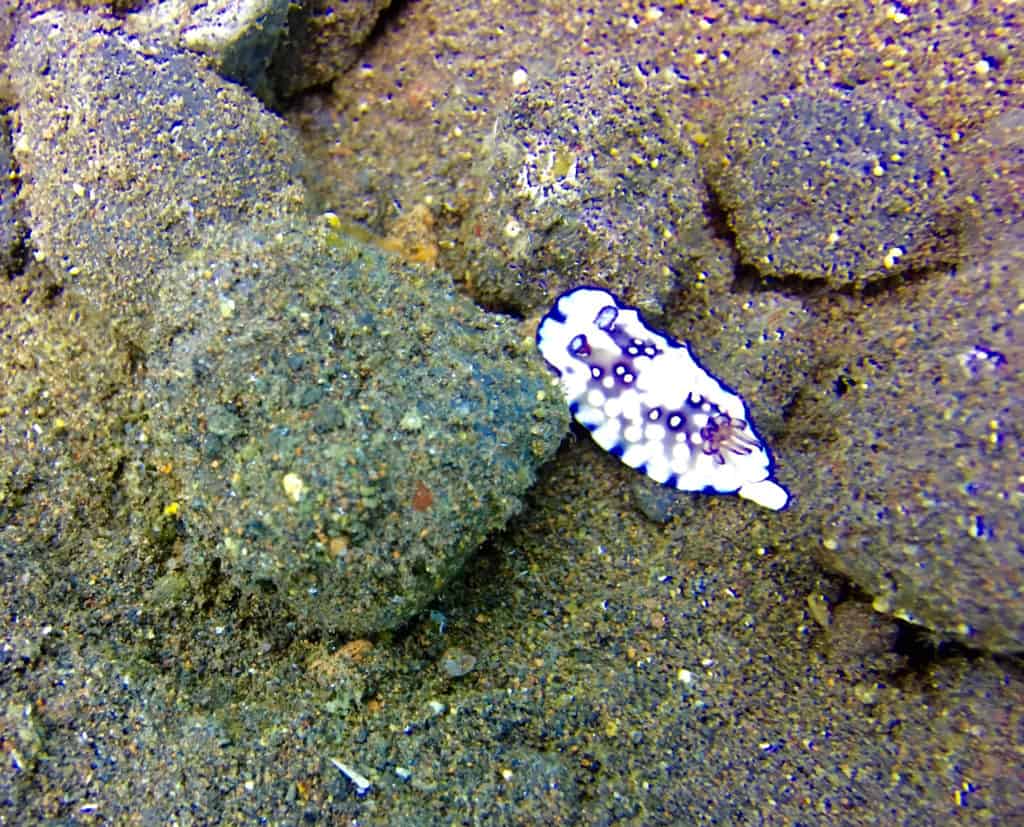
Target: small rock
[(834, 187), (457, 662)]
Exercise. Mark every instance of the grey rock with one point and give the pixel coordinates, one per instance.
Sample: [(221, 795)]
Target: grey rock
[(585, 177), (833, 186), (346, 436), (150, 151), (911, 486), (342, 432), (323, 39), (275, 48), (239, 36)]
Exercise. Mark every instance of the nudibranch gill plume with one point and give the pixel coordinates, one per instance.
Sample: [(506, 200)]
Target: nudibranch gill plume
[(645, 399)]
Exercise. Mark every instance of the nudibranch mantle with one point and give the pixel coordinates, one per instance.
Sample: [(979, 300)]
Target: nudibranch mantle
[(645, 399)]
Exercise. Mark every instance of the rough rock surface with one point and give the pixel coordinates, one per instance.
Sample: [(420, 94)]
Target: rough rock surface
[(586, 181), (346, 435), (150, 152), (238, 36), (12, 230), (335, 429), (323, 39), (915, 471), (273, 47), (832, 187)]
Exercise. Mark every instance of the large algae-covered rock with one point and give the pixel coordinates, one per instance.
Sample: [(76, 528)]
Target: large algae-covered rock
[(332, 428), (347, 436)]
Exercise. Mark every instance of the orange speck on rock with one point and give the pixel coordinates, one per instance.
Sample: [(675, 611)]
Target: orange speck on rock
[(412, 237), (423, 497), (356, 649)]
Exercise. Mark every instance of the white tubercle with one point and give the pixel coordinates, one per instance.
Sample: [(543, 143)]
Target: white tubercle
[(767, 493)]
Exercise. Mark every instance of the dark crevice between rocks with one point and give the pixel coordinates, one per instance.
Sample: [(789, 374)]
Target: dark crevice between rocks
[(296, 32), (388, 20), (14, 253), (923, 647)]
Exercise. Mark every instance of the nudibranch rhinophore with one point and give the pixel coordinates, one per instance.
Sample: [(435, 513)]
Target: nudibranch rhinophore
[(645, 399)]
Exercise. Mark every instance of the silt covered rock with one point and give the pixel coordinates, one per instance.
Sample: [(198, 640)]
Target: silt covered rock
[(912, 482), (346, 436), (587, 180), (834, 187), (324, 425)]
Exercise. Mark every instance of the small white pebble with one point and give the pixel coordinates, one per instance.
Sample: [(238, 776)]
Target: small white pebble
[(411, 421), (294, 487), (896, 14), (359, 781), (892, 257)]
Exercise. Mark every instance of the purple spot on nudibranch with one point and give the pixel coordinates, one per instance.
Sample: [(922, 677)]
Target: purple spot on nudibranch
[(579, 346), (606, 317), (624, 373), (617, 450)]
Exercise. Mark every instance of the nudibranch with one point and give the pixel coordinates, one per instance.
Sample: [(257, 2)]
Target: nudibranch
[(645, 399)]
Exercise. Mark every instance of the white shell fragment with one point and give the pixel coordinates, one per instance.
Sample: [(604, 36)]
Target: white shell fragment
[(359, 781), (645, 399)]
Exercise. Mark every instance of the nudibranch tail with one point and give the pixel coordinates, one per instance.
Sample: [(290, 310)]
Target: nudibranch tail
[(645, 399)]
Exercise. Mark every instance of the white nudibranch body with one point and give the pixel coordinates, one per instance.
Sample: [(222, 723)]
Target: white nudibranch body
[(645, 399)]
